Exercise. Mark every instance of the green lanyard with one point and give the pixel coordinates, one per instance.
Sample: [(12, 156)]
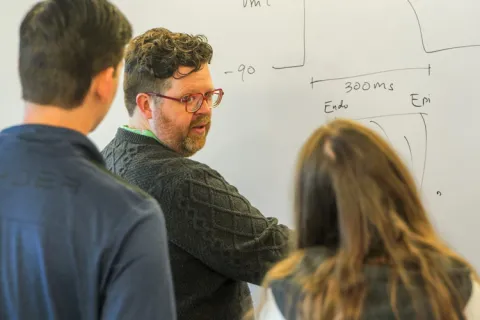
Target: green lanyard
[(147, 133)]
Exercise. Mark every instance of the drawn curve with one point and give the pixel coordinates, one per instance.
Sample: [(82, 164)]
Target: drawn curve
[(410, 149), (381, 129), (422, 116), (304, 43), (426, 147), (423, 40)]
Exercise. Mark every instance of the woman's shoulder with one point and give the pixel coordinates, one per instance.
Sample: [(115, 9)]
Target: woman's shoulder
[(472, 309), (282, 298), (270, 310), (284, 294)]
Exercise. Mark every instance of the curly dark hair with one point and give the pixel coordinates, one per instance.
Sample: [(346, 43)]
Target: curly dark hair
[(155, 56)]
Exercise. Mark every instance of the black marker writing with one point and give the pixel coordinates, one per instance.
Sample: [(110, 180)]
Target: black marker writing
[(253, 3), (409, 149), (428, 68), (419, 102), (410, 114), (329, 107), (366, 86), (381, 128), (423, 41), (426, 147), (242, 69), (304, 52), (393, 115)]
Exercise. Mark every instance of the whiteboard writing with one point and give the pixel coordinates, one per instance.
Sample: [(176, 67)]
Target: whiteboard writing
[(242, 69), (255, 3)]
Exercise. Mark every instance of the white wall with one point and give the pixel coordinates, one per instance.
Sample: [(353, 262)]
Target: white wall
[(265, 117)]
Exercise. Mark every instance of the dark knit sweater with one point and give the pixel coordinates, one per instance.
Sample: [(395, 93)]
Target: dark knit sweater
[(218, 240)]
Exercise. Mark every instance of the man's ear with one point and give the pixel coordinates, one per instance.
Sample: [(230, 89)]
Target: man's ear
[(104, 85), (144, 105)]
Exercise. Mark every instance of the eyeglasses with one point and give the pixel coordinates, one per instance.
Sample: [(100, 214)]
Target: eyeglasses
[(194, 101)]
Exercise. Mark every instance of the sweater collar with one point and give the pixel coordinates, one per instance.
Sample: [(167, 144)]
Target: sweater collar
[(143, 132), (135, 136), (57, 135)]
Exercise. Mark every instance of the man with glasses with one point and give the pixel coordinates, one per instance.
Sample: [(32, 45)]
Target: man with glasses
[(218, 240)]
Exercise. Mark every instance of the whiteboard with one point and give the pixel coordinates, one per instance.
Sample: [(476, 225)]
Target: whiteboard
[(406, 68)]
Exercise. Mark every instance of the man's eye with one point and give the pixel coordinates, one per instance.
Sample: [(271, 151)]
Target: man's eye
[(187, 99)]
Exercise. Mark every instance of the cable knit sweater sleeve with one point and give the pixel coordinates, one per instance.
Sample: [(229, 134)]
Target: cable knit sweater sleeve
[(212, 221)]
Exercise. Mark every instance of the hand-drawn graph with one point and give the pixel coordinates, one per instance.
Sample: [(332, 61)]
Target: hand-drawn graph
[(304, 49), (428, 68), (423, 40), (408, 134), (414, 11)]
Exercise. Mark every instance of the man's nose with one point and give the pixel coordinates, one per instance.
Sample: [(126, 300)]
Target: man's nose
[(205, 108)]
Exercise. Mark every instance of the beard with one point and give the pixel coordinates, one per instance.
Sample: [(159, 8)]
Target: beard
[(194, 139), (185, 140)]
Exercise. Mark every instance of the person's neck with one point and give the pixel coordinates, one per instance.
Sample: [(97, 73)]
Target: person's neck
[(135, 122), (74, 119)]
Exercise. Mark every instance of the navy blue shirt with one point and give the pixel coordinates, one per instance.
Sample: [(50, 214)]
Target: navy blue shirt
[(75, 241)]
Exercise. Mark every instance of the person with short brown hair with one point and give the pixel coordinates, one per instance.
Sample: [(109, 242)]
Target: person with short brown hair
[(76, 241)]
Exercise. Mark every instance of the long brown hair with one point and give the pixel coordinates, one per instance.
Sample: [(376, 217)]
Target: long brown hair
[(355, 197)]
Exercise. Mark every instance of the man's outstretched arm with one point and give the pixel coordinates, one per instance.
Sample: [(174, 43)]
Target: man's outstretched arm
[(211, 220)]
